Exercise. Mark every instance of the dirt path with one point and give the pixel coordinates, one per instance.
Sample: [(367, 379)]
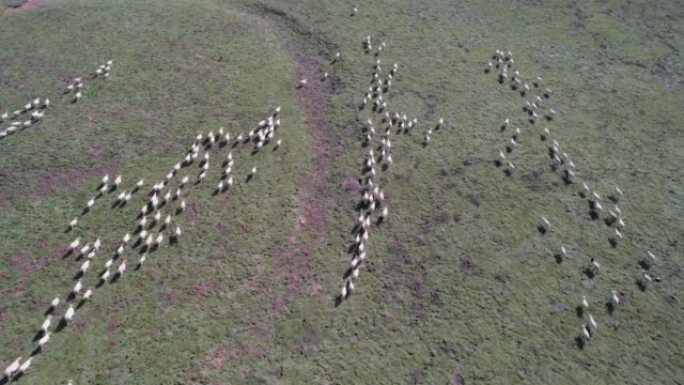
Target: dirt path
[(26, 5)]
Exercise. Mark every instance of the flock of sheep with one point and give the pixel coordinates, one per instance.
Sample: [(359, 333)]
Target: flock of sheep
[(168, 196), (536, 105), (150, 230), (372, 194)]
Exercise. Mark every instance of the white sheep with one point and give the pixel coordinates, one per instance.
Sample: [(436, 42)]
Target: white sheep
[(77, 287), (44, 340), (73, 223), (85, 266), (55, 302), (177, 233), (109, 263), (105, 275), (69, 314), (614, 297), (26, 365), (650, 258), (9, 371), (584, 303), (142, 259), (46, 324), (122, 267), (159, 240), (126, 238), (73, 245), (592, 323), (84, 249), (97, 243), (545, 224)]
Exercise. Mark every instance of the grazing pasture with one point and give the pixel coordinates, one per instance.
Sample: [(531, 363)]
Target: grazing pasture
[(322, 192)]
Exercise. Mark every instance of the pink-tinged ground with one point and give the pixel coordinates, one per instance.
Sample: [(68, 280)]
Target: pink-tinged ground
[(28, 4)]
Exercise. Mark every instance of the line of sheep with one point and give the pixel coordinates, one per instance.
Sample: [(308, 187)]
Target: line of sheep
[(39, 107), (503, 61), (149, 216), (373, 197)]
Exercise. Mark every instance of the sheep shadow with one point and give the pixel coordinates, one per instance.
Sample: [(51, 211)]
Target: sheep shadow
[(644, 265), (593, 215), (61, 325), (78, 275), (640, 284), (71, 296), (50, 310), (558, 257), (542, 230), (380, 221), (338, 300), (579, 310), (36, 351), (579, 341), (39, 334), (17, 376), (589, 273), (249, 178), (610, 307), (115, 278), (613, 242), (81, 303), (116, 204), (68, 253)]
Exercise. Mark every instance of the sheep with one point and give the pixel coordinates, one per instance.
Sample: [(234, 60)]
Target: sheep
[(91, 255), (355, 273), (109, 263), (69, 315), (159, 239), (9, 371), (219, 187), (140, 183), (143, 222), (84, 249), (563, 253), (105, 275), (545, 224), (594, 267), (121, 197), (142, 259), (73, 245), (620, 225), (167, 221), (343, 292), (385, 211), (182, 205), (104, 188), (73, 223), (511, 145), (96, 244), (645, 279), (617, 236), (77, 287), (126, 238), (149, 240), (254, 170), (584, 303), (87, 294), (46, 324), (302, 83), (26, 365), (128, 197), (592, 323), (117, 181), (230, 181), (177, 233), (122, 267), (43, 340), (54, 303), (614, 297), (85, 266), (650, 259), (584, 334), (120, 249)]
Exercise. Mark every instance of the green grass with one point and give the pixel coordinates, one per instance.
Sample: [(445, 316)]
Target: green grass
[(460, 282)]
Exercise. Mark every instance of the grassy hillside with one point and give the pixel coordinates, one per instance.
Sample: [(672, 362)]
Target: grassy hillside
[(459, 287)]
